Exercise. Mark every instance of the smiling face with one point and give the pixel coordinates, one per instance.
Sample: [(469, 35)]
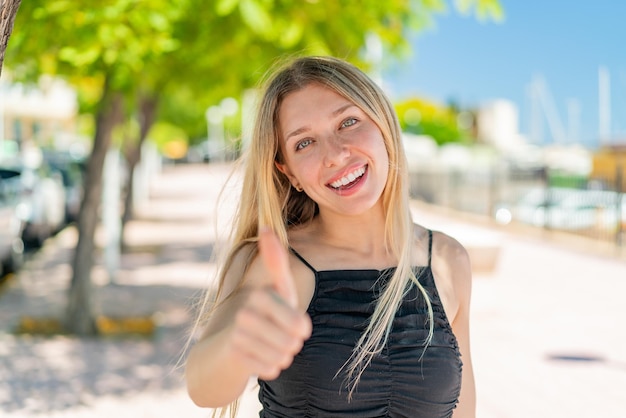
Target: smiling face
[(332, 150)]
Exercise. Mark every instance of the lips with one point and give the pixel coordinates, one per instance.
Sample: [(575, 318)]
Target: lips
[(349, 179)]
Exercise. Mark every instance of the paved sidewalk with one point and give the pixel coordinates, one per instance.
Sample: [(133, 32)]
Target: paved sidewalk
[(547, 325), (547, 334), (165, 269)]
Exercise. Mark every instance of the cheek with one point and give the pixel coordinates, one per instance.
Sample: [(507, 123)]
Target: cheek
[(307, 166), (303, 166), (376, 143), (379, 150)]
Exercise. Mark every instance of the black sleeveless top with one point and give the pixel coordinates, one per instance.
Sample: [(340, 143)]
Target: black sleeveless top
[(404, 380)]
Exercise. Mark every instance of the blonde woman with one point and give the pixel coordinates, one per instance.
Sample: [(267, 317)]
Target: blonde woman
[(331, 295)]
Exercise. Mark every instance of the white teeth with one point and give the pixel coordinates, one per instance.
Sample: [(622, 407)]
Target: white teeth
[(349, 178)]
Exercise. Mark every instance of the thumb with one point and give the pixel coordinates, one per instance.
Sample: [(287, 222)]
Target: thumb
[(276, 261)]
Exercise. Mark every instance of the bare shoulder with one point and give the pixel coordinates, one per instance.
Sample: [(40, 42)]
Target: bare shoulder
[(246, 271), (240, 269), (452, 272), (450, 256), (449, 250), (446, 250)]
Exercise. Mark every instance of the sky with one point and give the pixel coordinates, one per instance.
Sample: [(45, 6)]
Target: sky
[(564, 43)]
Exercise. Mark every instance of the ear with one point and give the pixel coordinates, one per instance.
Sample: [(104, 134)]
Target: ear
[(283, 168)]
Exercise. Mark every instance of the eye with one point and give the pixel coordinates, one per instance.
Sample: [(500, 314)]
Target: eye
[(303, 144), (349, 122)]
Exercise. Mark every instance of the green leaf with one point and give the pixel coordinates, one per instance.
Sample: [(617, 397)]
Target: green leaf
[(484, 9), (225, 7), (158, 21), (160, 47), (291, 35), (256, 17), (79, 58)]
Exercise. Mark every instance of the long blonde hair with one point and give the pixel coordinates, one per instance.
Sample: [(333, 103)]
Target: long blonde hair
[(267, 197)]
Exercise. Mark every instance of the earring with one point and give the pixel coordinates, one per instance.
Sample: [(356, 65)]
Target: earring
[(298, 188)]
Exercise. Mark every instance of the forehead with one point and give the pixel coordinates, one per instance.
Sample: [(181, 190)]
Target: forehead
[(309, 102)]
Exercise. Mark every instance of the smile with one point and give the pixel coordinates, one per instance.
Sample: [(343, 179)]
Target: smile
[(348, 179)]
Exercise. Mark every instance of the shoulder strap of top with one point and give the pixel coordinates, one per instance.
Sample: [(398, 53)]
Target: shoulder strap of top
[(306, 263), (430, 246)]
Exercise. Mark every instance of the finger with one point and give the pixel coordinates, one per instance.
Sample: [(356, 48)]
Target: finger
[(261, 357), (276, 323), (276, 261), (251, 360)]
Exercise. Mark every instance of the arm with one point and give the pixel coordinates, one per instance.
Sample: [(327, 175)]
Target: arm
[(255, 331), (452, 270), (462, 283)]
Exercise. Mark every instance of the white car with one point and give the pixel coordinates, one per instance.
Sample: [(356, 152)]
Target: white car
[(43, 208), (566, 209), (11, 225)]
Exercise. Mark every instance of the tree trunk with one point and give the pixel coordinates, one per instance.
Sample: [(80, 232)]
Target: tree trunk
[(8, 11), (80, 314), (132, 153)]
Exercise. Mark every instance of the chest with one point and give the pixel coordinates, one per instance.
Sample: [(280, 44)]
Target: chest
[(403, 378)]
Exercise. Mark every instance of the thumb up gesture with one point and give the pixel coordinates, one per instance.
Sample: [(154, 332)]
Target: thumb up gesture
[(269, 330), (276, 263)]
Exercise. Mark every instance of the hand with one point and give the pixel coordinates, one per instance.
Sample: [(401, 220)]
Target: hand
[(268, 329)]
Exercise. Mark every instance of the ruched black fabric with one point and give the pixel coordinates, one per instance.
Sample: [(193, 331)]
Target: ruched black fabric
[(404, 380)]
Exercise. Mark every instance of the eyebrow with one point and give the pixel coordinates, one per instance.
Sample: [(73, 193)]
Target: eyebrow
[(303, 129)]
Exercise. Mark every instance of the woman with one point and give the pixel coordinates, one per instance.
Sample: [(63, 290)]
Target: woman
[(330, 294)]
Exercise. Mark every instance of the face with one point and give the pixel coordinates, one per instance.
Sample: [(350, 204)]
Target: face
[(332, 150)]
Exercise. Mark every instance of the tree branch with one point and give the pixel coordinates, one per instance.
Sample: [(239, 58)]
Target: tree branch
[(8, 11)]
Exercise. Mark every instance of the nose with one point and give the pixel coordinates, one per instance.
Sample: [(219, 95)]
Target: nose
[(335, 150)]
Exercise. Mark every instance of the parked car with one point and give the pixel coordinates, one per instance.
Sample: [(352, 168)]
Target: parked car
[(43, 204), (11, 221), (566, 209), (72, 170)]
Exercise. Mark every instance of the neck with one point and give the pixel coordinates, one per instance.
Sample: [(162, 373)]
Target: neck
[(364, 233)]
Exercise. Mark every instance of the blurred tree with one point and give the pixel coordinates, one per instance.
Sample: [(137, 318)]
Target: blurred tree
[(104, 50), (443, 123), (127, 57), (8, 10)]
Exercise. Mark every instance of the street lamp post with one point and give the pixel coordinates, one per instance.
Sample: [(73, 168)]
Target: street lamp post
[(217, 148)]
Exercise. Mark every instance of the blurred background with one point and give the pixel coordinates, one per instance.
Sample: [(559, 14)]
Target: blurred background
[(120, 122)]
